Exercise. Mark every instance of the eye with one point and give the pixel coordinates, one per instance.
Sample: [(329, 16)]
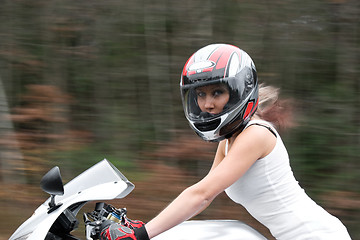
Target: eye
[(200, 94), (218, 92)]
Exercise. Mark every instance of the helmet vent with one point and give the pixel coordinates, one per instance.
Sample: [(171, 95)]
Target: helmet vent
[(208, 126)]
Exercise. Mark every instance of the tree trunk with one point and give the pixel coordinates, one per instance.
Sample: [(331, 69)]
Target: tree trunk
[(156, 40), (11, 159)]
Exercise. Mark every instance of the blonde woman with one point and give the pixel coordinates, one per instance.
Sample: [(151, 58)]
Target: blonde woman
[(223, 103)]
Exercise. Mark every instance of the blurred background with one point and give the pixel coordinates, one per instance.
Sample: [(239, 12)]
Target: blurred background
[(81, 81)]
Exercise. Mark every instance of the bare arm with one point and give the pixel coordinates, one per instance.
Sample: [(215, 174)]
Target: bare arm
[(219, 156), (252, 144)]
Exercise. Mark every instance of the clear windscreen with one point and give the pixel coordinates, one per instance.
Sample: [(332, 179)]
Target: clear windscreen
[(100, 173)]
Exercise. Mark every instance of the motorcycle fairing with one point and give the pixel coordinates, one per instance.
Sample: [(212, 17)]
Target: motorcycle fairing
[(211, 229), (100, 182)]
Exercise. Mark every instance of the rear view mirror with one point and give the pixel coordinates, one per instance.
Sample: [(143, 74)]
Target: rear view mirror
[(52, 184)]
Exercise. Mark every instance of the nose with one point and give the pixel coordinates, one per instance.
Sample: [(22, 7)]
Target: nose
[(209, 103)]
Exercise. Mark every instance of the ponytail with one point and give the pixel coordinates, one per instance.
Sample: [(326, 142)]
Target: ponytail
[(272, 109)]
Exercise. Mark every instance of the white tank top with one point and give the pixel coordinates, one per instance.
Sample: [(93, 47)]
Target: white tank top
[(271, 194)]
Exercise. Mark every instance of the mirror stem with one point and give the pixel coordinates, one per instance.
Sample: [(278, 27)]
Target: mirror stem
[(52, 201), (52, 205)]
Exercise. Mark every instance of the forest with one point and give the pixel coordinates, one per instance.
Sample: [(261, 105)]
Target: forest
[(81, 81)]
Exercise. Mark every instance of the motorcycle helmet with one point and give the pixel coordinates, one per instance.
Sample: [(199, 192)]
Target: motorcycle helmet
[(231, 67)]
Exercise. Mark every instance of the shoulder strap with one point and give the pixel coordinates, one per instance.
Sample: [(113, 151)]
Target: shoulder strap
[(262, 124), (226, 146)]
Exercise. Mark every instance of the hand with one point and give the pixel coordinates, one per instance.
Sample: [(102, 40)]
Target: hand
[(115, 231), (132, 223)]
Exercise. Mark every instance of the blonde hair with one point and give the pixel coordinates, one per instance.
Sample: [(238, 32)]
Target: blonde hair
[(277, 111)]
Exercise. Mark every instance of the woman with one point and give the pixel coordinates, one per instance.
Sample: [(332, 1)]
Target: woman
[(220, 94)]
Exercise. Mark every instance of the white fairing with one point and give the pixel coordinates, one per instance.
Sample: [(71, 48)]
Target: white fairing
[(100, 182), (211, 229)]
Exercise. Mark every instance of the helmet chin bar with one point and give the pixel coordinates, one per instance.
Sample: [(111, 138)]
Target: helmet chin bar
[(212, 135), (205, 115), (223, 129)]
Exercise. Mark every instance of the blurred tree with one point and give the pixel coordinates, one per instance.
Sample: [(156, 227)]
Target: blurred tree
[(11, 159), (158, 58), (38, 121)]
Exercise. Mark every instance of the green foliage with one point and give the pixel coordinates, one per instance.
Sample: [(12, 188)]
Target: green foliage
[(73, 162), (120, 62)]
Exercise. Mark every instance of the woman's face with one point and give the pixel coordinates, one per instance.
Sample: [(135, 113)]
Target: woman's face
[(212, 98)]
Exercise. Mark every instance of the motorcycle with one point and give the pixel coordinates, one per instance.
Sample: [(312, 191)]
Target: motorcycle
[(55, 219)]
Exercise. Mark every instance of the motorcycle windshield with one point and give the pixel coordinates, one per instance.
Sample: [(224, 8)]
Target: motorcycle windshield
[(101, 173)]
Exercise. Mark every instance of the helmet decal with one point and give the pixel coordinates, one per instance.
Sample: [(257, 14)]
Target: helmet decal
[(204, 66), (250, 108), (221, 56), (233, 65)]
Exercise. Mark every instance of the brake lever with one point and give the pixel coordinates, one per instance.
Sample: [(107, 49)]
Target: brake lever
[(88, 232), (92, 226)]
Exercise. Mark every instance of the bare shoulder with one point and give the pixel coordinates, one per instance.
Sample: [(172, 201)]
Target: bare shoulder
[(256, 138)]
